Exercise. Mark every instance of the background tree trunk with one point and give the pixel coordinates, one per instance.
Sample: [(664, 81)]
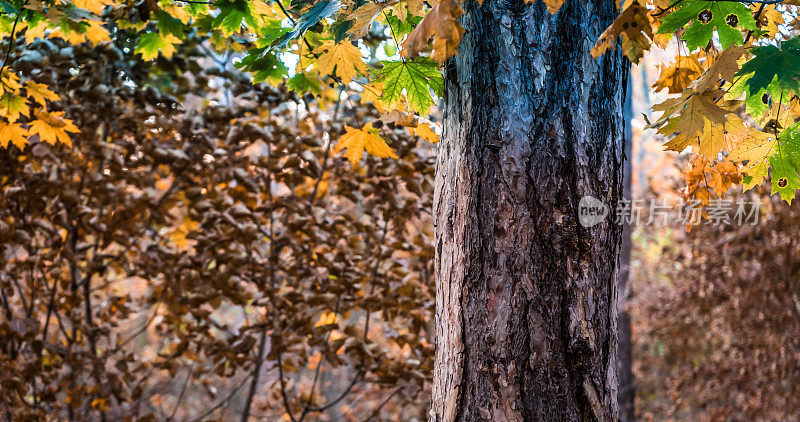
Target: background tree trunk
[(526, 316)]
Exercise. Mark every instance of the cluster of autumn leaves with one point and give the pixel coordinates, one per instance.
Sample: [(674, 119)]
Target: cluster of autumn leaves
[(735, 94), (24, 102), (390, 51), (29, 100)]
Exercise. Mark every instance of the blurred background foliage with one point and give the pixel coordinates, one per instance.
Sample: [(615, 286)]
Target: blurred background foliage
[(715, 309), (200, 253)]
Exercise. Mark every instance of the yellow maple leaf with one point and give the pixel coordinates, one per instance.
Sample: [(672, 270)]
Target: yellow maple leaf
[(9, 82), (372, 94), (263, 11), (633, 27), (179, 12), (12, 106), (755, 151), (93, 31), (688, 114), (680, 142), (401, 11), (52, 127), (400, 118), (36, 31), (724, 67), (344, 58), (364, 16), (134, 26), (771, 20), (553, 6), (719, 136), (94, 6), (13, 133), (694, 175), (100, 404), (39, 93), (96, 32), (424, 131), (358, 140), (415, 7), (72, 37), (442, 24), (326, 318), (676, 77), (178, 235), (724, 175)]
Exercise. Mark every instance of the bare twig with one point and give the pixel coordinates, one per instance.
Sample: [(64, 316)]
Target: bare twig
[(223, 401), (183, 390), (262, 344), (12, 39)]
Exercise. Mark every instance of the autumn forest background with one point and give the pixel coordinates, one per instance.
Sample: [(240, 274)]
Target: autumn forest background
[(199, 248)]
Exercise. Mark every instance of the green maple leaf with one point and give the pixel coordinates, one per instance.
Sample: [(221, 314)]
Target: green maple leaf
[(757, 102), (416, 78), (153, 43), (270, 31), (166, 24), (300, 83), (773, 65), (785, 163), (729, 18), (231, 14), (400, 27), (263, 64)]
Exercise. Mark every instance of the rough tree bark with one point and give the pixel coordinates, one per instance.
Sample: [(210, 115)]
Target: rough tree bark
[(526, 296)]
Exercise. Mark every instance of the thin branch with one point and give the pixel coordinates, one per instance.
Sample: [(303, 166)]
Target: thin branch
[(758, 15), (318, 369), (183, 390), (13, 38), (140, 330), (223, 401), (360, 372), (664, 10), (377, 410), (284, 395), (50, 307), (262, 344)]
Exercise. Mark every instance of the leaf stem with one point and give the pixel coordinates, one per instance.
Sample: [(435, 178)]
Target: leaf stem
[(11, 41)]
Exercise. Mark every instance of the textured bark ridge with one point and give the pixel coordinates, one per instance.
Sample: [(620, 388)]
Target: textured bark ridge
[(526, 315)]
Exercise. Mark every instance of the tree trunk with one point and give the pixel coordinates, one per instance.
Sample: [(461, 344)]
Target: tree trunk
[(627, 392), (526, 295)]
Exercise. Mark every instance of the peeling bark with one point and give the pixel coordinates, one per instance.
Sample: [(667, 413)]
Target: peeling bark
[(526, 296)]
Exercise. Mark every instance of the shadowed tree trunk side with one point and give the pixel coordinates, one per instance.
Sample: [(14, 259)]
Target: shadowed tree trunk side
[(627, 391)]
